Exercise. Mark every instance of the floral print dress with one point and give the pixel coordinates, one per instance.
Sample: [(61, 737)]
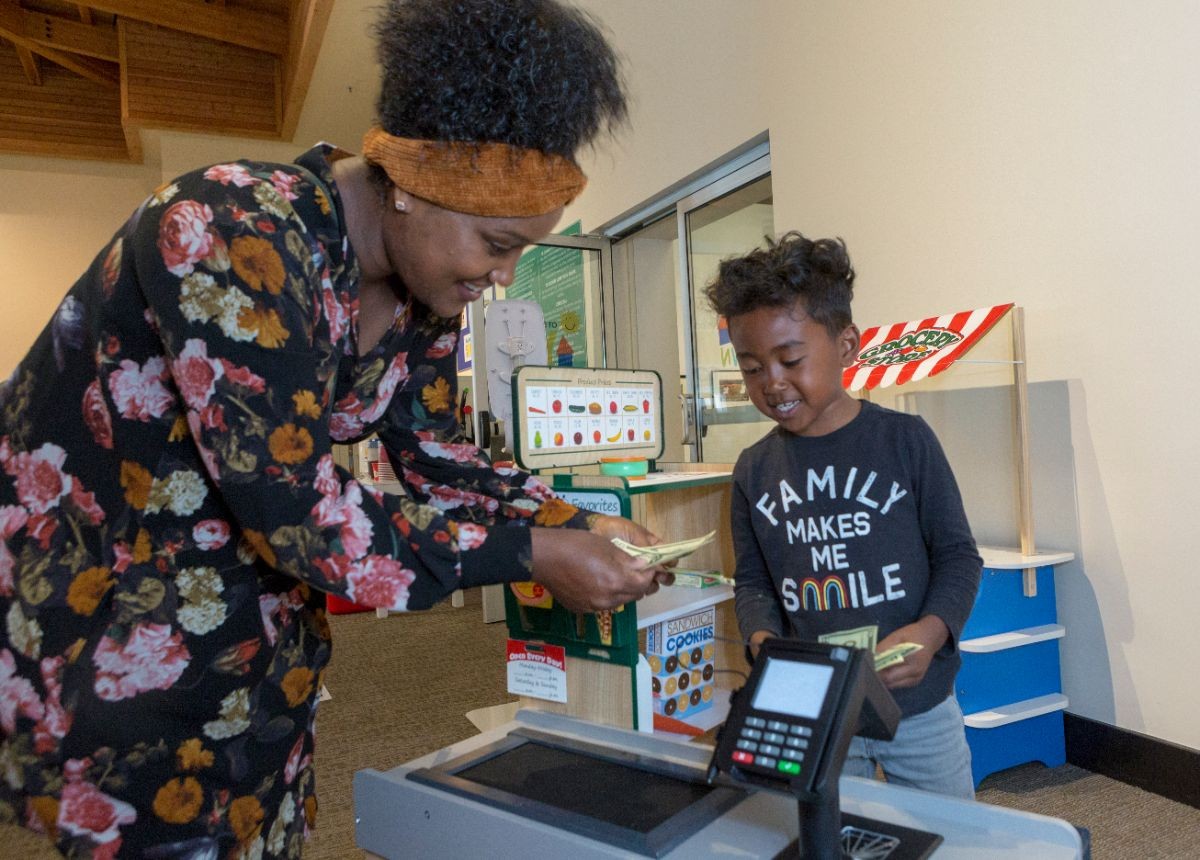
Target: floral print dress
[(172, 519)]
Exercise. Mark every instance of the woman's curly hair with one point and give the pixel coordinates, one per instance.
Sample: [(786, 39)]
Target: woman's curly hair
[(792, 268), (534, 74)]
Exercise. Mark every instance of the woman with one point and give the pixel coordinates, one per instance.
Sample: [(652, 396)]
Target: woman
[(171, 515)]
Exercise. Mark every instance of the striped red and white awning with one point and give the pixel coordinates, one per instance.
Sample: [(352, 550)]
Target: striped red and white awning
[(907, 351)]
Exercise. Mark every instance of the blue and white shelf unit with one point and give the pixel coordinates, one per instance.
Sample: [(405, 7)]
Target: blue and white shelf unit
[(1010, 684)]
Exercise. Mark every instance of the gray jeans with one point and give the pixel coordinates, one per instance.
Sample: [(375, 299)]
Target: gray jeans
[(929, 752)]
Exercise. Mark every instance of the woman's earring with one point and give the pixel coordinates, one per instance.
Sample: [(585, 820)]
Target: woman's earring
[(401, 206)]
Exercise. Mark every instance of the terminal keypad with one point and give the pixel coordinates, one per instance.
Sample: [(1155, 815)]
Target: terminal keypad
[(772, 745)]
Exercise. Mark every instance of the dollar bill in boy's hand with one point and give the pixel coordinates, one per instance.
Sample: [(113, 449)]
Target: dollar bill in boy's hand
[(895, 654), (664, 552), (856, 637)]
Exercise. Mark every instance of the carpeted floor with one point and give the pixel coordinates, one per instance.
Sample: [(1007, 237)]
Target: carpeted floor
[(402, 685)]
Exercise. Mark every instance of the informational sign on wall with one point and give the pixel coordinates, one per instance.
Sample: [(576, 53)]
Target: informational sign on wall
[(466, 345), (726, 345), (553, 277)]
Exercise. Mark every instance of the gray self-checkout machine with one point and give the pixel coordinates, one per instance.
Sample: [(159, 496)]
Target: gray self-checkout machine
[(549, 786)]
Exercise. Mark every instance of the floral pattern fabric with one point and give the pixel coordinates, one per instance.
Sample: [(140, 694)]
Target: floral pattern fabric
[(172, 518)]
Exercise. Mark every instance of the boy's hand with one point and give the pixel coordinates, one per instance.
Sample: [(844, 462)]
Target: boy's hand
[(757, 638), (930, 632)]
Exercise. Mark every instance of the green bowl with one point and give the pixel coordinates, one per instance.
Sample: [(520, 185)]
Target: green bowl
[(626, 467)]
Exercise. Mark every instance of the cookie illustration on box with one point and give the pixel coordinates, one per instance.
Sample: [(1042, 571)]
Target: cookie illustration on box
[(681, 653)]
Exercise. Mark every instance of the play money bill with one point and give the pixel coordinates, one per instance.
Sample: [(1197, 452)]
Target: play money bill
[(664, 552), (714, 576), (895, 654), (856, 637)]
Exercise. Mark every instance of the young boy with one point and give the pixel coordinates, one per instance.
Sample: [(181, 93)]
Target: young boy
[(846, 514)]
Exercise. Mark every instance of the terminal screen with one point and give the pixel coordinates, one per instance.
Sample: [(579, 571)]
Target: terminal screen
[(793, 688)]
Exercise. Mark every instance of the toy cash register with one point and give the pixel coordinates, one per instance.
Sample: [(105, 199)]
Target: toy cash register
[(789, 730)]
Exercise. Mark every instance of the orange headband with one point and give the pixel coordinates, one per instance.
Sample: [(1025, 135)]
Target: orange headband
[(490, 179)]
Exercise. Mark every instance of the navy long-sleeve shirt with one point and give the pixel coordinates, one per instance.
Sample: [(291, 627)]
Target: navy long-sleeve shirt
[(864, 525)]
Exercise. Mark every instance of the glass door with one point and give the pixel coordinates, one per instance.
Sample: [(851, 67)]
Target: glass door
[(724, 220), (568, 276), (662, 266)]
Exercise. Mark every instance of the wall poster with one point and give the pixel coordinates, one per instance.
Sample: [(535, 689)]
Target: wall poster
[(553, 277)]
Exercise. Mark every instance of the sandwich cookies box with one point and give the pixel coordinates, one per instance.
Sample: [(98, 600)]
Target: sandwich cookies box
[(681, 652)]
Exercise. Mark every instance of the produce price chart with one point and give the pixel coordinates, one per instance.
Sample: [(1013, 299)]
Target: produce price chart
[(599, 419)]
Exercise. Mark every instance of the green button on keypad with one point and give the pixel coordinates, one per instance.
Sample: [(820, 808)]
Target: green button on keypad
[(792, 767)]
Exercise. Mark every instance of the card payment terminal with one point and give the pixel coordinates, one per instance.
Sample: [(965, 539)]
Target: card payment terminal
[(789, 729)]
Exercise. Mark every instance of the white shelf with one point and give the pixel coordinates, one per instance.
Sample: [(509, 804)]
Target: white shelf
[(1015, 712), (672, 601), (660, 479), (1007, 558), (1012, 639)]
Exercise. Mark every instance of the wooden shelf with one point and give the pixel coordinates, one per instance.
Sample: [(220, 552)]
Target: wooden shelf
[(1012, 639)]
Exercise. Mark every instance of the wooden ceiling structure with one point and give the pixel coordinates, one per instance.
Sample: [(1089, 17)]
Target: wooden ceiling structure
[(81, 79)]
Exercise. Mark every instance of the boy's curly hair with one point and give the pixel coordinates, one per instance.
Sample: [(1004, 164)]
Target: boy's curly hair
[(818, 271), (534, 74)]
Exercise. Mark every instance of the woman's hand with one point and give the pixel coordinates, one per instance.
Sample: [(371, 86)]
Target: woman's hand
[(931, 633), (631, 532), (586, 573)]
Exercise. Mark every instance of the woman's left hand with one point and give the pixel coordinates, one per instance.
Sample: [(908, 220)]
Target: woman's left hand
[(630, 532)]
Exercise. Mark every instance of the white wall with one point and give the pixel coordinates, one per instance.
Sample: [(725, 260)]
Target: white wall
[(973, 153), (969, 153)]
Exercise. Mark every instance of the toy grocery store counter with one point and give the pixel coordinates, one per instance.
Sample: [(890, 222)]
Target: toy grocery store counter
[(549, 786)]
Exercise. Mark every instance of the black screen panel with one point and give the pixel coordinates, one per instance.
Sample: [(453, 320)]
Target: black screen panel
[(603, 790)]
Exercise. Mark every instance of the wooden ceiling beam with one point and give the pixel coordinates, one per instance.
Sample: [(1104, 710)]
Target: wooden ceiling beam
[(67, 35), (307, 31), (244, 27), (29, 63), (12, 26)]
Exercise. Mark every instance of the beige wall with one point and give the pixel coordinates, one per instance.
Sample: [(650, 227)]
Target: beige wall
[(973, 153), (970, 153)]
